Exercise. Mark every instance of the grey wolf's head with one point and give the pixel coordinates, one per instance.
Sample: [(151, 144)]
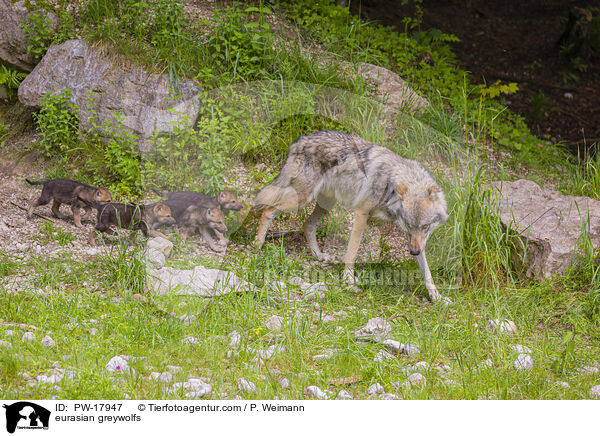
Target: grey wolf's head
[(423, 210)]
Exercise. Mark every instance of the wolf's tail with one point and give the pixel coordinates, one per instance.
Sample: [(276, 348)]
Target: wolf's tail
[(41, 182), (161, 193), (273, 196)]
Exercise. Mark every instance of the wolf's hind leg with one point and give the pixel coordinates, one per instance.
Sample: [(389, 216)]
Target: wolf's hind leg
[(434, 295), (360, 222), (324, 205), (265, 221)]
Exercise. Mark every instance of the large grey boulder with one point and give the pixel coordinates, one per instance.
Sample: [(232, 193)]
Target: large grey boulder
[(200, 281), (117, 86), (13, 46), (552, 224)]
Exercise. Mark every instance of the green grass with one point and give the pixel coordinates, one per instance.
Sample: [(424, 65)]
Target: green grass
[(454, 336)]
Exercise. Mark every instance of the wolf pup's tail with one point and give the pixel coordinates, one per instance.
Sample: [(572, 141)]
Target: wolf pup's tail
[(41, 182), (162, 194)]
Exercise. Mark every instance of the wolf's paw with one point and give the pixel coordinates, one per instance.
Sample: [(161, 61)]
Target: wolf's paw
[(223, 241), (324, 257)]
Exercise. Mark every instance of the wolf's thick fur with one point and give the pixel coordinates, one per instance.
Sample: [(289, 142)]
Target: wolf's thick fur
[(335, 167), (68, 192), (130, 216), (204, 219)]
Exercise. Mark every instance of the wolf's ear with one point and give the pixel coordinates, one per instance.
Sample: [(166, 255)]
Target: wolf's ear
[(401, 189), (433, 192), (159, 207)]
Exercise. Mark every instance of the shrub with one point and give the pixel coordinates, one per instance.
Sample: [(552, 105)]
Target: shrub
[(58, 122)]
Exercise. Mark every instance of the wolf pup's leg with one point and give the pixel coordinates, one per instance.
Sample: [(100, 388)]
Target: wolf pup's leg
[(324, 205), (360, 222), (55, 209), (76, 215), (210, 241), (434, 295)]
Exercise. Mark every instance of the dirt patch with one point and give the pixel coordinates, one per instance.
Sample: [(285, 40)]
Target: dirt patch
[(516, 42)]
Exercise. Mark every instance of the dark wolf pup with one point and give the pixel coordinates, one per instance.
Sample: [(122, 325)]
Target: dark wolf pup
[(69, 192), (205, 219), (226, 200), (130, 216), (370, 180)]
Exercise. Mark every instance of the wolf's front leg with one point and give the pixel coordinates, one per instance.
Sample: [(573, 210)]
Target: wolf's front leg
[(360, 221), (434, 295), (221, 240)]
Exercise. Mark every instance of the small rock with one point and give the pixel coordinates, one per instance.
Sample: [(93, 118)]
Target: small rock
[(417, 378), (165, 377), (588, 370), (376, 329), (275, 322), (93, 331), (6, 344), (340, 329), (487, 363), (285, 383), (344, 395), (246, 386), (235, 339), (190, 340), (563, 384), (382, 355), (387, 396), (595, 392), (419, 366), (28, 336), (118, 364), (10, 333), (296, 281), (187, 319), (315, 292), (48, 342), (160, 244), (504, 326), (277, 287), (174, 369), (520, 349), (315, 392), (523, 362), (568, 95), (139, 297), (156, 259), (327, 354), (375, 389)]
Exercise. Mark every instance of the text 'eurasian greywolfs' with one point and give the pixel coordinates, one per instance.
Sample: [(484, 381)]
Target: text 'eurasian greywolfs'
[(335, 167)]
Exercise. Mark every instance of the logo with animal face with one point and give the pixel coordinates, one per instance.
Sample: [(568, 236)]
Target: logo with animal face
[(26, 415)]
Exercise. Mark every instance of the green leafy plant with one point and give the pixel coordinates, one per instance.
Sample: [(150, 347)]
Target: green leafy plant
[(4, 129), (58, 122), (10, 79), (498, 88), (39, 33), (110, 154)]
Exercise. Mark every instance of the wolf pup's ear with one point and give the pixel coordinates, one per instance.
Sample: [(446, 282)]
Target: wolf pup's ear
[(401, 188), (433, 192)]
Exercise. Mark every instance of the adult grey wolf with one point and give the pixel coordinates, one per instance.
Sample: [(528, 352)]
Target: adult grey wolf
[(336, 167)]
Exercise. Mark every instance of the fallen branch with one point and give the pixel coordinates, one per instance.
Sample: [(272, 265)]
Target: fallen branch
[(54, 220)]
